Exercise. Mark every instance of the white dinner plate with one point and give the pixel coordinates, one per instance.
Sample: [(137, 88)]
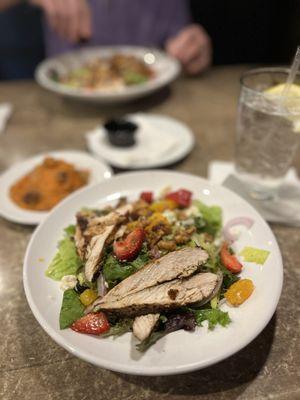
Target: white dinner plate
[(160, 141), (165, 67), (180, 351), (11, 211)]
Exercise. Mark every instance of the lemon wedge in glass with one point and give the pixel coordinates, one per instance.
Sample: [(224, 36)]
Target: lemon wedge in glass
[(277, 90), (291, 103)]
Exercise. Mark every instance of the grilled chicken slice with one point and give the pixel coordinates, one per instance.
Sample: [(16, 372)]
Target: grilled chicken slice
[(144, 325), (164, 296), (92, 233), (94, 252), (79, 237), (177, 264), (90, 225)]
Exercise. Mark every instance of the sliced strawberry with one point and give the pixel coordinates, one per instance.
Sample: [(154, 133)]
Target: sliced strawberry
[(129, 248), (182, 197), (147, 197), (229, 260), (93, 323)]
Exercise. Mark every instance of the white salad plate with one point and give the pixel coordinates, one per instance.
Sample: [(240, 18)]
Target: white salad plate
[(165, 67), (179, 351), (12, 212), (160, 141)]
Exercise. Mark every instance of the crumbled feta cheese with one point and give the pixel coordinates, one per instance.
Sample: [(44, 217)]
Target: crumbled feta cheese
[(188, 222), (170, 215), (68, 282), (192, 211)]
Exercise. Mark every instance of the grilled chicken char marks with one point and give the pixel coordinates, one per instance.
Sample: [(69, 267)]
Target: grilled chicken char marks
[(164, 296), (177, 264)]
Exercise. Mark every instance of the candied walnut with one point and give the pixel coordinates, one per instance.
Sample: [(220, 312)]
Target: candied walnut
[(190, 230), (181, 238), (169, 245), (140, 209), (156, 227)]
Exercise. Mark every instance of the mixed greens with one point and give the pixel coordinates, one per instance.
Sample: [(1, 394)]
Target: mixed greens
[(148, 230), (107, 73)]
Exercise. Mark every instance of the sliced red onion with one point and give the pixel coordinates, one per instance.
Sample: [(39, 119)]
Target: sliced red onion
[(232, 237), (101, 288)]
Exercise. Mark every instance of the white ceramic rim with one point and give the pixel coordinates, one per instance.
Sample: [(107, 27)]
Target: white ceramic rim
[(136, 370)]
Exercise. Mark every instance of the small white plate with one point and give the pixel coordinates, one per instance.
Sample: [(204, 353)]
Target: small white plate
[(160, 141), (11, 211), (165, 68), (180, 351)]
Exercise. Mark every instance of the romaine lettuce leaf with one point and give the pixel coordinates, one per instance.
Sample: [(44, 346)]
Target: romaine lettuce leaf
[(114, 271), (212, 216), (71, 309), (70, 230), (66, 261), (213, 261)]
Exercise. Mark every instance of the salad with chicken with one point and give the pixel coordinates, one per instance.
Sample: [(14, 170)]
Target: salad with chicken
[(150, 266), (107, 73)]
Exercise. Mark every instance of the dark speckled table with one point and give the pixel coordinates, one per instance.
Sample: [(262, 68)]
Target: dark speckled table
[(32, 366)]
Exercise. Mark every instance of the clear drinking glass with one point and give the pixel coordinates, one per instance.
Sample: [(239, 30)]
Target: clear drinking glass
[(268, 131)]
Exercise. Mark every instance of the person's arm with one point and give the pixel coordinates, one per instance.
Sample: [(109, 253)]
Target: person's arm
[(71, 19), (4, 4)]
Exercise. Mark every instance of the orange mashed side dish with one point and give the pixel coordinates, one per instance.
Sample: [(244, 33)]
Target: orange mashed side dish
[(47, 184)]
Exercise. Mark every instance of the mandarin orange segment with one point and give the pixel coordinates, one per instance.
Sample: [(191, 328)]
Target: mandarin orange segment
[(239, 292)]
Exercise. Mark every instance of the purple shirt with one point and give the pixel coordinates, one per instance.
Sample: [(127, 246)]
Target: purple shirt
[(127, 22)]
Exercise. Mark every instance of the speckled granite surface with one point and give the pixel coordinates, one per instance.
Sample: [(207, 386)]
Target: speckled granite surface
[(32, 366)]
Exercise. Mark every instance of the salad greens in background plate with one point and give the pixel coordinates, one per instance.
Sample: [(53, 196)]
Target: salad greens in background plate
[(165, 68), (179, 351)]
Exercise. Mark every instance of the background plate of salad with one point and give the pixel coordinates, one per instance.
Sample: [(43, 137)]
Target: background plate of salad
[(236, 239), (164, 68)]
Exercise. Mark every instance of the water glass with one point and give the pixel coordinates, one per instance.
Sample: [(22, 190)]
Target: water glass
[(268, 131)]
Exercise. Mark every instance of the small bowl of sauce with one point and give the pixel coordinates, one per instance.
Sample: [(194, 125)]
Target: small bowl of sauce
[(120, 132)]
